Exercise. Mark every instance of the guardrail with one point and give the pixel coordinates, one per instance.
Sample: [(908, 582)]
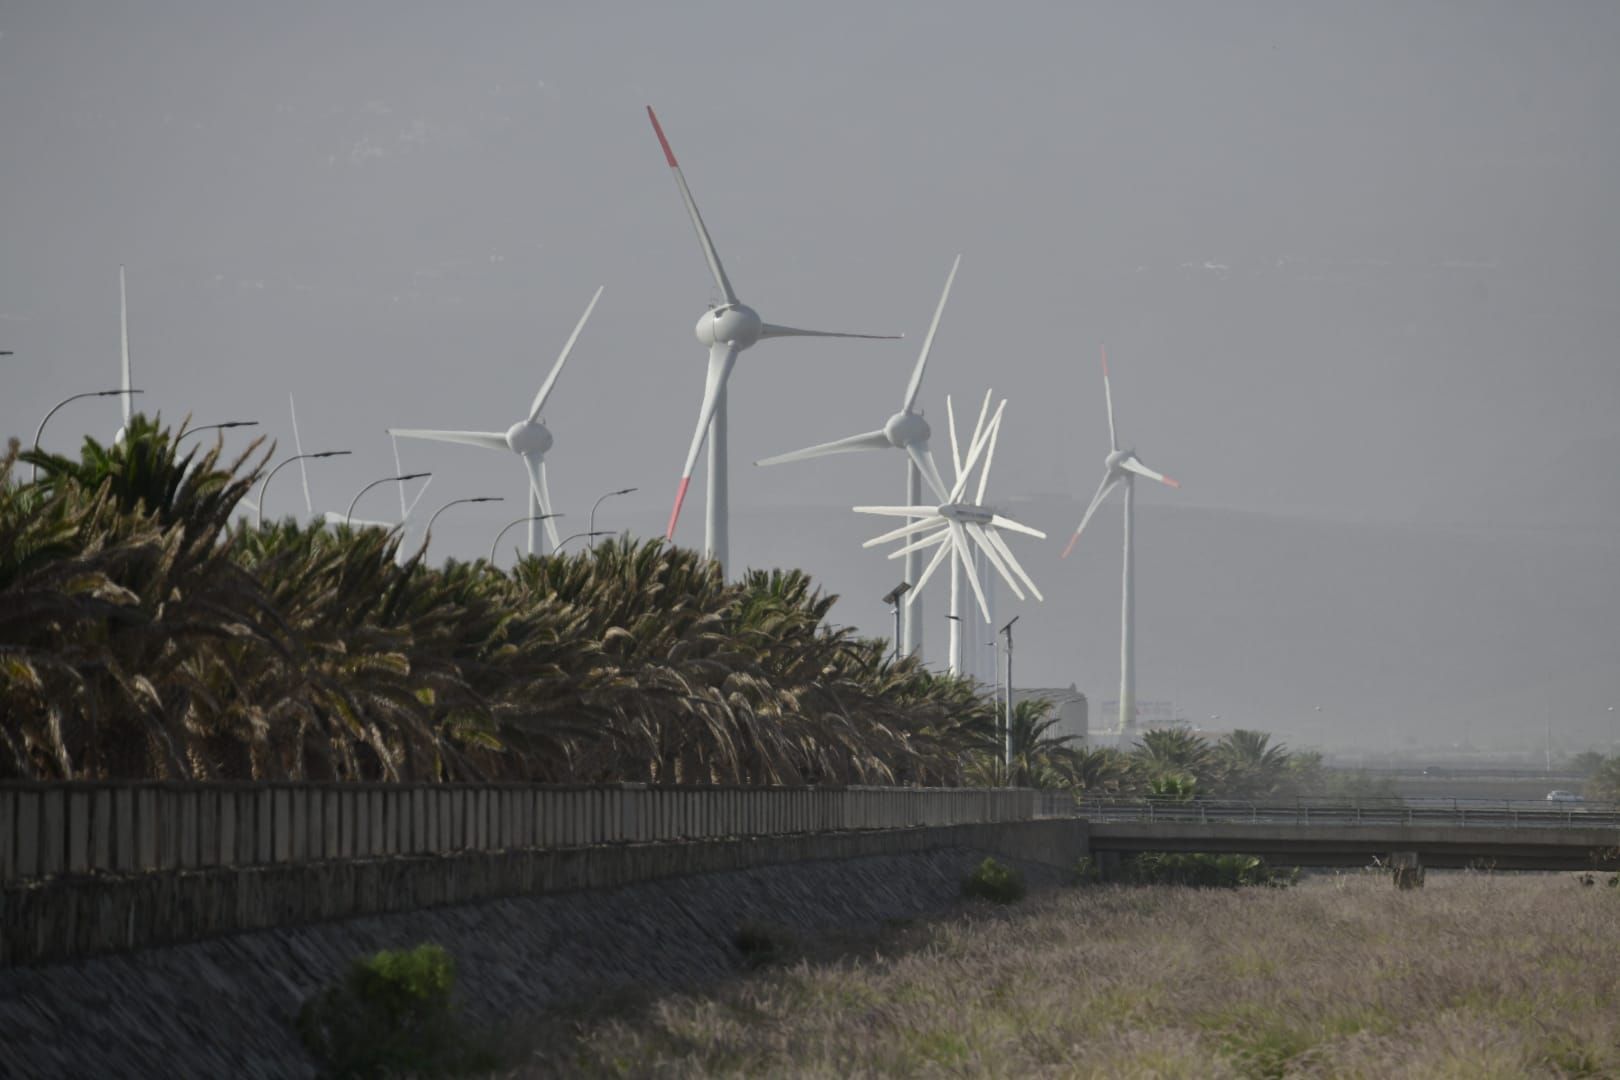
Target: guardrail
[(83, 828), (1448, 812)]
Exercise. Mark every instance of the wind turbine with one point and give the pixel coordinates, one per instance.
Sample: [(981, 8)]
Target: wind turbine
[(1122, 467), (905, 430), (528, 438), (726, 330), (957, 528)]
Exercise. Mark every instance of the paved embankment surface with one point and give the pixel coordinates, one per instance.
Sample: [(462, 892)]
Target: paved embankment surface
[(225, 1007)]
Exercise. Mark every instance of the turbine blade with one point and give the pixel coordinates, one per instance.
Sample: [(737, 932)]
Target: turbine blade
[(871, 440), (562, 358), (1011, 560), (712, 256), (922, 542), (1108, 481), (1108, 395), (981, 440), (489, 440), (956, 450), (899, 511), (965, 553), (399, 470), (915, 386), (1008, 523), (923, 459), (722, 358), (545, 507), (904, 530), (990, 453), (1135, 465), (123, 341), (977, 533), (303, 465), (412, 508), (928, 571), (770, 330)]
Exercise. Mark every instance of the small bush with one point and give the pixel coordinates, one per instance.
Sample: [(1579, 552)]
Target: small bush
[(1203, 871), (994, 882), (389, 1015), (1086, 872)]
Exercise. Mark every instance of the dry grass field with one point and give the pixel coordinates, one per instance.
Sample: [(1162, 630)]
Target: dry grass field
[(1473, 976)]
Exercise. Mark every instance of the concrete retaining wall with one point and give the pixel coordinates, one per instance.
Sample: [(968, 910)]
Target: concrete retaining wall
[(66, 917), (49, 829)]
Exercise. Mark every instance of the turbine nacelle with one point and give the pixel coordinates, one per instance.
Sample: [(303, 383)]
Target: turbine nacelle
[(1115, 462), (528, 437), (907, 428), (729, 324), (967, 513)]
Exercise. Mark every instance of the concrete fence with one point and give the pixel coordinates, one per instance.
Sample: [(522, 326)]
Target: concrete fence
[(49, 830)]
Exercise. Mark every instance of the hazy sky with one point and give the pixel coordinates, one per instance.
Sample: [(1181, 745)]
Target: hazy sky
[(1353, 262)]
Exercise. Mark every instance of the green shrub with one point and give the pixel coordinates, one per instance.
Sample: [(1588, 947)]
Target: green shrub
[(389, 1015), (1086, 872), (1204, 871), (994, 882)]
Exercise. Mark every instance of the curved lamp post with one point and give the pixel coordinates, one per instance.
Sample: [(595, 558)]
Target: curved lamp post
[(427, 534), (216, 427), (512, 525), (39, 433), (264, 487), (348, 518), (575, 536), (598, 502)]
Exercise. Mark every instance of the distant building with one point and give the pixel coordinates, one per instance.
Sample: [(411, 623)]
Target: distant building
[(1068, 705), (1149, 715)]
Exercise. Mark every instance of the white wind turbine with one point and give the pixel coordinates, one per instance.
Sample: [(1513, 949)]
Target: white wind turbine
[(726, 330), (905, 430), (1122, 467), (957, 527), (528, 438)]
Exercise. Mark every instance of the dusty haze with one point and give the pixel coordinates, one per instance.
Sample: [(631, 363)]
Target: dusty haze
[(1354, 265)]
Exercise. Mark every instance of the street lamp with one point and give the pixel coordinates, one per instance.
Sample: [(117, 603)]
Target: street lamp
[(598, 502), (184, 432), (349, 517), (892, 598), (264, 487), (558, 549), (427, 534), (511, 525), (1007, 631), (39, 433)]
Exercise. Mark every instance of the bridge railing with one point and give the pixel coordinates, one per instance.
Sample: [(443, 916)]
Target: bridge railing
[(1441, 812), (48, 829)]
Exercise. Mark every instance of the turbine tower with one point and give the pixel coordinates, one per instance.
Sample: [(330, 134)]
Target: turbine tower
[(905, 430), (528, 438), (126, 398), (1122, 467), (958, 527), (726, 330)]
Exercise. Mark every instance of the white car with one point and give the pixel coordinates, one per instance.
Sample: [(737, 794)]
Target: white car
[(1563, 796)]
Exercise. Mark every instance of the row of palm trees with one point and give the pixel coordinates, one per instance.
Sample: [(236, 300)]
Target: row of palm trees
[(148, 630)]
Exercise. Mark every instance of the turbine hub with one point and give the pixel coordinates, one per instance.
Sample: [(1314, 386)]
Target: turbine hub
[(729, 324), (966, 513), (528, 437), (1117, 460), (905, 429)]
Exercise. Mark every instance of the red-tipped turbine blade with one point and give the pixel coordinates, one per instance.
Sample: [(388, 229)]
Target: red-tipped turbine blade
[(669, 155), (675, 514)]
